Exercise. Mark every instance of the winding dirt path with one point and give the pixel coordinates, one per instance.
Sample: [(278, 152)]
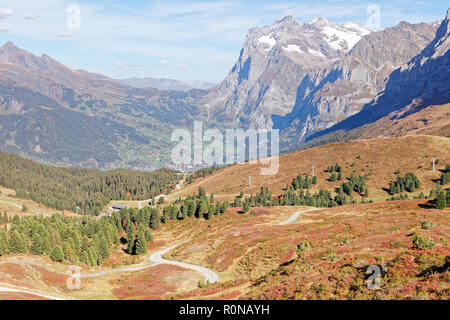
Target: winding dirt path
[(209, 274), (12, 204), (294, 217), (156, 258)]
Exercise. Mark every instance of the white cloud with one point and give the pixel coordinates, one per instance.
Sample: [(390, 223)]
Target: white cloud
[(124, 64), (66, 34), (30, 16), (182, 65), (4, 29), (164, 62), (5, 12)]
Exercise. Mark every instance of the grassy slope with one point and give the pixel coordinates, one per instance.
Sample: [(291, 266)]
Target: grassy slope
[(432, 120), (260, 259), (379, 158), (255, 258)]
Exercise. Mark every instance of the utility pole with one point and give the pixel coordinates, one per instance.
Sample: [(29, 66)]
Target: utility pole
[(250, 181), (434, 161), (312, 167)]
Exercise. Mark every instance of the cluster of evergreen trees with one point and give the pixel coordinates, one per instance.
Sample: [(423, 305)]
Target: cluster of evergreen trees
[(355, 184), (264, 198), (62, 238), (197, 208), (399, 197), (441, 197), (303, 183), (201, 173), (334, 168), (88, 240), (409, 183), (445, 177), (88, 189), (196, 205), (336, 172)]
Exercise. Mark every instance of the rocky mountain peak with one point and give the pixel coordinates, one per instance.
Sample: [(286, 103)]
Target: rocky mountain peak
[(322, 22), (9, 46)]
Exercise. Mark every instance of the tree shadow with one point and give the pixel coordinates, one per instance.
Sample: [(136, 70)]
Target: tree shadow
[(435, 269), (428, 205)]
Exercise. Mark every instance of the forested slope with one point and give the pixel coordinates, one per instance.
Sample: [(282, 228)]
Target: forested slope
[(89, 189)]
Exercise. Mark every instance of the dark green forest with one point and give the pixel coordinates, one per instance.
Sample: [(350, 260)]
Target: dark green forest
[(88, 189)]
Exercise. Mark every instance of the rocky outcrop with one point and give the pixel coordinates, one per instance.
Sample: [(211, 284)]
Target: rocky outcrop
[(421, 82), (328, 96), (273, 62)]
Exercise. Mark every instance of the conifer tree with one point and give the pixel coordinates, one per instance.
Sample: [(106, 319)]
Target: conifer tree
[(104, 248), (37, 245), (17, 243), (141, 246), (57, 254), (155, 218), (441, 201), (131, 237)]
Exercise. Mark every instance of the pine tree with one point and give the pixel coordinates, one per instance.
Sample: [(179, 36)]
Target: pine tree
[(224, 207), (17, 243), (155, 219), (57, 254), (245, 208), (333, 177), (68, 252), (202, 207), (131, 237), (104, 248), (84, 257), (141, 246), (441, 201), (37, 245)]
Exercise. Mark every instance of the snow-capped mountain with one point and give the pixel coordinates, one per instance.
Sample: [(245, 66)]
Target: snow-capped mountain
[(272, 64), (304, 78), (329, 95), (423, 81)]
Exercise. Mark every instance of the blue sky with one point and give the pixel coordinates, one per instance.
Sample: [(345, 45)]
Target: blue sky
[(185, 40)]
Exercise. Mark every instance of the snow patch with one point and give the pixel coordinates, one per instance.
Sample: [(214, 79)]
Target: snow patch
[(293, 48), (336, 37), (268, 40), (316, 53), (356, 27)]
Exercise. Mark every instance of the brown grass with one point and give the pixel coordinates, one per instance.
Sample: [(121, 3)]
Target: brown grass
[(379, 158)]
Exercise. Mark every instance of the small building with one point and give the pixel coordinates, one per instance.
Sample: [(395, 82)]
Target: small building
[(119, 207)]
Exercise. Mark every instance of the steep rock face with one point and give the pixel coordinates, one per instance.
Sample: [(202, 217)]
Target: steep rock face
[(421, 82), (272, 64), (329, 95)]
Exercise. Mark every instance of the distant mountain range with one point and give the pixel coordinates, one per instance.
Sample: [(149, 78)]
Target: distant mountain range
[(168, 84), (72, 117), (316, 82)]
